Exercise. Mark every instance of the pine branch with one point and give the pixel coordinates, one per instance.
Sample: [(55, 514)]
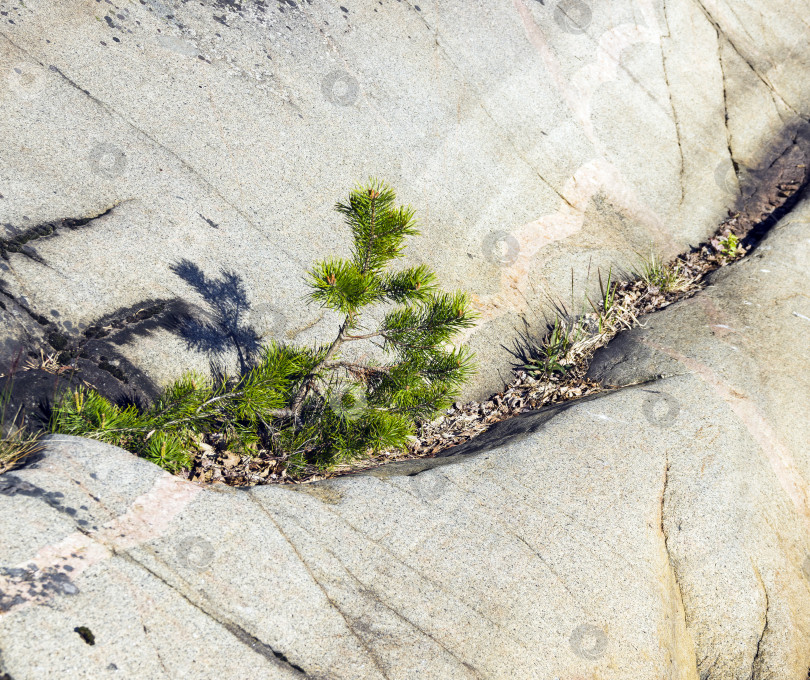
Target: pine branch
[(298, 401), (416, 283), (286, 401), (373, 195)]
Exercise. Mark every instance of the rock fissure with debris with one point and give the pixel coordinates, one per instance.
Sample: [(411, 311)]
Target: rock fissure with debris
[(77, 360), (781, 185)]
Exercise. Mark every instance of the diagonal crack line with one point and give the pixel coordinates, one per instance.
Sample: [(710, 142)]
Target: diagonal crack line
[(376, 597), (561, 581), (174, 155), (426, 577), (510, 532), (725, 102), (675, 120), (757, 659), (721, 32), (706, 672), (250, 641), (155, 649), (498, 126), (663, 502), (671, 563), (666, 540), (46, 230), (332, 603)]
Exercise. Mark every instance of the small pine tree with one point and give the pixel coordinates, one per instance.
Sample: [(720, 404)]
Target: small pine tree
[(311, 406), (377, 405)]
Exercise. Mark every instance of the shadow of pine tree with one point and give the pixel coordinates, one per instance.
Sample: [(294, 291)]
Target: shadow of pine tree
[(226, 328)]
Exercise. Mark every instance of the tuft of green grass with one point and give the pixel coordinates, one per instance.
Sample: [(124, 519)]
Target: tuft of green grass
[(555, 351), (572, 336), (660, 276), (605, 310)]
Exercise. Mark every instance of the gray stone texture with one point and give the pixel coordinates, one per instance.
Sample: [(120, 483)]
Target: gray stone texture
[(658, 530), (533, 139)]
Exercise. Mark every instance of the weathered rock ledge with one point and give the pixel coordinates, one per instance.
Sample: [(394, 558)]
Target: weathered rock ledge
[(656, 531), (186, 155)]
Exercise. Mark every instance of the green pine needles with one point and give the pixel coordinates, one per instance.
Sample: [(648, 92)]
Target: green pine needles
[(323, 406)]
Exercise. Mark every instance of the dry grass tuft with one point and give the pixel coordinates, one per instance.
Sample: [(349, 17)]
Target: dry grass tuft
[(16, 446), (660, 276), (47, 362), (16, 442)]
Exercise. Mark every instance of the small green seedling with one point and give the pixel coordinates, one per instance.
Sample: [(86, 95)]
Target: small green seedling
[(731, 248), (555, 349)]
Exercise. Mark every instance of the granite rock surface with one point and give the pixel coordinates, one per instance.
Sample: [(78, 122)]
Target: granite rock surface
[(657, 530)]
